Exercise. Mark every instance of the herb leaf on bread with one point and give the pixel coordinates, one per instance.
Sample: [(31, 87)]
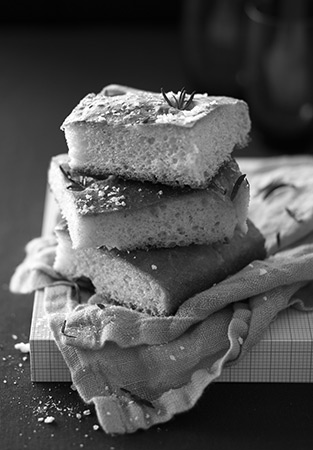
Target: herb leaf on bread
[(181, 102)]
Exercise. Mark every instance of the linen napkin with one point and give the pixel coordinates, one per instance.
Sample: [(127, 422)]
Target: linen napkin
[(140, 370)]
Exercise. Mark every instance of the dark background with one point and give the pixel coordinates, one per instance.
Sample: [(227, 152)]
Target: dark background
[(51, 55), (69, 12)]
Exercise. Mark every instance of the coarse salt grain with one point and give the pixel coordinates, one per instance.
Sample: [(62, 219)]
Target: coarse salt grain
[(87, 412), (49, 419), (23, 347), (96, 427), (263, 271), (172, 357)]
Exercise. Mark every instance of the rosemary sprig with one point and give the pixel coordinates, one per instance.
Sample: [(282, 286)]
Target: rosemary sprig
[(181, 103), (237, 186), (278, 240), (76, 185), (293, 215), (219, 188), (63, 331), (270, 188)]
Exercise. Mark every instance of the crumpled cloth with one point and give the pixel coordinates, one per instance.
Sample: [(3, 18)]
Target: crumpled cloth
[(140, 370)]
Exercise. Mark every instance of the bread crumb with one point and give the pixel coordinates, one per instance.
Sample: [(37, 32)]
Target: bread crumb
[(87, 412), (96, 427), (154, 267), (24, 348), (49, 419), (172, 357)]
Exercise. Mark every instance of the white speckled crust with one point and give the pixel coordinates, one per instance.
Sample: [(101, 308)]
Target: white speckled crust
[(135, 107)]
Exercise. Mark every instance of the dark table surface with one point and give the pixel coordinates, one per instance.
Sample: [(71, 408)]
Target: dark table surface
[(43, 75)]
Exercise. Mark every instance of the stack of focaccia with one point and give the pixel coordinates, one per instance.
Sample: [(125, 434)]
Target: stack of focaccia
[(154, 205)]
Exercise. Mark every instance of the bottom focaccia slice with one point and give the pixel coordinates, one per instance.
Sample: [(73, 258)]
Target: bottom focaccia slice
[(156, 281)]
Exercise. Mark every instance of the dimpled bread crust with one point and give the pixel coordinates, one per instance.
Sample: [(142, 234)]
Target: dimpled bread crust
[(126, 215), (159, 280), (137, 135)]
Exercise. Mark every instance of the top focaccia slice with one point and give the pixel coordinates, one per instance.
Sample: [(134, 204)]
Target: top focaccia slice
[(137, 134)]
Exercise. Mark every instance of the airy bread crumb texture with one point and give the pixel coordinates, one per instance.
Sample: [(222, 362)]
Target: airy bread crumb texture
[(202, 216), (113, 277), (135, 134)]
